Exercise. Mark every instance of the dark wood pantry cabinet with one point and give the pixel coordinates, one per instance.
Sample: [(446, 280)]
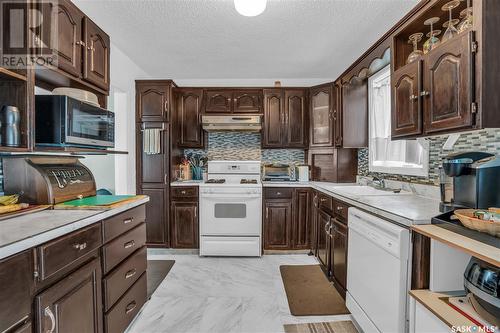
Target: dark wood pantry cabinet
[(184, 217), (153, 100)]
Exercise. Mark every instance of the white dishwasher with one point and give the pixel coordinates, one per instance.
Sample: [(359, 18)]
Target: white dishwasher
[(377, 273)]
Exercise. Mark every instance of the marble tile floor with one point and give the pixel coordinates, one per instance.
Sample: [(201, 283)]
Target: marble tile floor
[(222, 295)]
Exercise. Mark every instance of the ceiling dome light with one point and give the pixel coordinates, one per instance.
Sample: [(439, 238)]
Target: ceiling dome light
[(250, 7)]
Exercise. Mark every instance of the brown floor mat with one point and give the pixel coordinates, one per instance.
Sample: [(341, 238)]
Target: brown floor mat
[(310, 293), (331, 327), (157, 271)]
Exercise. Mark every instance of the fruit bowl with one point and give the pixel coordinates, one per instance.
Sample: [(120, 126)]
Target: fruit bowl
[(479, 220)]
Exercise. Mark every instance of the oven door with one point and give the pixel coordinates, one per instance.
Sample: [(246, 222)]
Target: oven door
[(89, 125), (230, 214)]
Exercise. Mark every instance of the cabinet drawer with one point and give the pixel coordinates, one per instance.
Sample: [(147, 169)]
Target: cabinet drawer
[(120, 248), (60, 253), (278, 193), (118, 224), (325, 202), (128, 306), (122, 277), (340, 209), (184, 192)]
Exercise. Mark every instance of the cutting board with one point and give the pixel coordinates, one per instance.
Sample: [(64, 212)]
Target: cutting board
[(99, 202)]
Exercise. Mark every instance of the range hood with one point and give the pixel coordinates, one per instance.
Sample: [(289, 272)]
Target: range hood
[(232, 123)]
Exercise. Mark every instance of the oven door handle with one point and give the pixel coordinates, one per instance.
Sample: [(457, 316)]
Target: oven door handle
[(230, 196)]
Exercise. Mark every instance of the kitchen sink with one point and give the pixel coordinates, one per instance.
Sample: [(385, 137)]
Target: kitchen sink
[(364, 190)]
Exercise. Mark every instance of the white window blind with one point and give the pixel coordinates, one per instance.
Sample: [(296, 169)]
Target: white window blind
[(406, 157)]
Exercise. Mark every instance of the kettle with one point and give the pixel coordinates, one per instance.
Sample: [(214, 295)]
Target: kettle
[(303, 171)]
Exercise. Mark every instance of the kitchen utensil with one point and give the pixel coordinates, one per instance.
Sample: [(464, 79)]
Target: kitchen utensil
[(469, 220), (416, 54), (79, 94), (433, 41), (451, 30), (11, 118)]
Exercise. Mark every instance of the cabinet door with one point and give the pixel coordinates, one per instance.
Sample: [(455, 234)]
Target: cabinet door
[(185, 225), (272, 133), (247, 101), (152, 101), (189, 117), (96, 57), (339, 253), (406, 101), (301, 219), (152, 168), (355, 113), (296, 119), (321, 117), (68, 47), (313, 216), (277, 225), (324, 239), (447, 89), (16, 272), (73, 304), (337, 114), (218, 101), (156, 216)]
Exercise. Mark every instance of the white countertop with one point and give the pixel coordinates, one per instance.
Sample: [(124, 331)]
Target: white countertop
[(405, 208), (30, 230)]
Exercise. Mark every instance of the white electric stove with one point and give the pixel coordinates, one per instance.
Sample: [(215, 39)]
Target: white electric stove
[(231, 210)]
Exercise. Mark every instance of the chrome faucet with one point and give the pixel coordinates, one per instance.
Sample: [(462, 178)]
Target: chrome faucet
[(378, 182)]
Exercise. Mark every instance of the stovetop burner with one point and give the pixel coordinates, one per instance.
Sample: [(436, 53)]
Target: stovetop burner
[(215, 181), (248, 181)]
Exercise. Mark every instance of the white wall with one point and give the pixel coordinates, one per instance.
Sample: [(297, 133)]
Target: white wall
[(123, 73)]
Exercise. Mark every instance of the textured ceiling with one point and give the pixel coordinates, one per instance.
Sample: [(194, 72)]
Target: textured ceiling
[(197, 41)]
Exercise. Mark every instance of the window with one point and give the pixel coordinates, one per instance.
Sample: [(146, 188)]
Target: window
[(404, 157)]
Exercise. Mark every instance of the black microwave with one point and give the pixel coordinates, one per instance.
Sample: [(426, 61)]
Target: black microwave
[(65, 121)]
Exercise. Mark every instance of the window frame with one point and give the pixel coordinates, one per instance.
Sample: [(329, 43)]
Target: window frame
[(399, 170)]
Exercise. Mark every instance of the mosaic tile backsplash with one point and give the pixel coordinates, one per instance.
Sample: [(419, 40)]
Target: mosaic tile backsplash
[(483, 140), (235, 146)]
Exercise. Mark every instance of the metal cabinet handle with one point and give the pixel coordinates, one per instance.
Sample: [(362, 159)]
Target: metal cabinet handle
[(327, 227), (183, 192), (340, 207), (91, 48), (130, 273), (278, 193), (48, 313), (267, 212), (129, 220), (130, 307), (166, 105), (80, 246), (195, 212), (81, 43), (425, 93), (129, 244), (323, 199), (413, 97), (334, 114)]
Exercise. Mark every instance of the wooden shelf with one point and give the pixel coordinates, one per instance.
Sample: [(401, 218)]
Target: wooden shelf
[(473, 247), (6, 73), (435, 303), (13, 149), (78, 151)]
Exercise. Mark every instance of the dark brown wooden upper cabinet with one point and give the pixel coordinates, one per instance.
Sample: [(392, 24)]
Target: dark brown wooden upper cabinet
[(406, 101), (447, 86), (355, 113), (321, 117), (190, 132), (69, 44), (337, 114), (273, 129), (218, 101), (153, 99), (296, 119), (96, 55), (247, 101)]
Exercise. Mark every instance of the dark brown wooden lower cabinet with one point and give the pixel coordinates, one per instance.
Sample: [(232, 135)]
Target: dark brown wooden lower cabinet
[(277, 224), (74, 304), (324, 241), (313, 216), (338, 269), (184, 226), (157, 216), (16, 281), (301, 219)]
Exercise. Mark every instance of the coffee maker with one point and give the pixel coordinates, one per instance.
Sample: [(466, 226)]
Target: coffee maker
[(470, 180)]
